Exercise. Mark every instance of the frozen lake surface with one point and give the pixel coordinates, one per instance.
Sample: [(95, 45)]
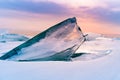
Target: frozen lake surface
[(101, 61)]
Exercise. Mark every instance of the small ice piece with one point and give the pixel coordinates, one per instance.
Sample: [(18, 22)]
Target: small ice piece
[(94, 55)]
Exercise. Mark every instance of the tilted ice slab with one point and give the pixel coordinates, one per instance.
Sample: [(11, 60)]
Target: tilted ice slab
[(56, 43)]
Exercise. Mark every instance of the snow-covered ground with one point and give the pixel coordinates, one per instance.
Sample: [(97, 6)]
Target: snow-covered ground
[(101, 62)]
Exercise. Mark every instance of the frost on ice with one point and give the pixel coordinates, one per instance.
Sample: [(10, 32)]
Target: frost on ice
[(56, 43)]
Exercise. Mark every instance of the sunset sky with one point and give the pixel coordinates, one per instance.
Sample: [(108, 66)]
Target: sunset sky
[(33, 16)]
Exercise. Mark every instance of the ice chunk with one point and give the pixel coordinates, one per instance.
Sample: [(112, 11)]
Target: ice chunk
[(8, 37), (56, 43)]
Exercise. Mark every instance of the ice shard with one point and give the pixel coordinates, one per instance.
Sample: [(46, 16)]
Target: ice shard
[(57, 43)]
